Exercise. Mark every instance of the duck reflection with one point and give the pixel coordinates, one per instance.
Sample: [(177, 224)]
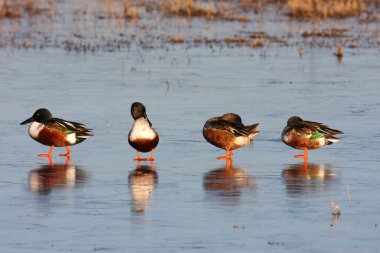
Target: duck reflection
[(46, 178), (227, 182), (304, 178), (142, 182)]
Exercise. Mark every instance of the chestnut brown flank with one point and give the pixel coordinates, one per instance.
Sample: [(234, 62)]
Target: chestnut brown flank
[(304, 142), (53, 137), (144, 145), (220, 139)]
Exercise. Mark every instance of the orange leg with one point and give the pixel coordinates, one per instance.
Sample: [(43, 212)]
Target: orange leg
[(228, 155), (229, 163), (137, 164), (151, 158), (67, 163), (304, 155), (151, 166), (139, 158), (305, 165), (48, 154), (68, 152), (51, 162)]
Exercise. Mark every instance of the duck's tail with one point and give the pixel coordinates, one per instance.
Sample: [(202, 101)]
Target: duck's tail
[(83, 135), (331, 140), (253, 131), (330, 135)]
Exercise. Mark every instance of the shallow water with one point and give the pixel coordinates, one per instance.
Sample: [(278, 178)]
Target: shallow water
[(100, 25), (186, 200)]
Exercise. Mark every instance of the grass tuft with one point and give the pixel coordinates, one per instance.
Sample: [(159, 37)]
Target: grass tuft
[(176, 39), (335, 208), (308, 9)]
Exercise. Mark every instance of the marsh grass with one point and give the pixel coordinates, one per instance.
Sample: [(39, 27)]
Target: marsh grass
[(189, 8), (121, 9), (339, 53), (236, 10), (232, 10), (325, 8), (176, 39), (332, 32), (108, 22), (9, 11), (21, 8)]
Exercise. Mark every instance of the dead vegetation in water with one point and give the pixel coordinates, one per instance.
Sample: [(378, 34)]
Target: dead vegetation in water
[(335, 208), (339, 53), (150, 24), (103, 9), (121, 9), (210, 10), (176, 39), (328, 33), (232, 10), (236, 10), (235, 40), (263, 36), (319, 9), (325, 8), (21, 8), (189, 8), (254, 39), (248, 39)]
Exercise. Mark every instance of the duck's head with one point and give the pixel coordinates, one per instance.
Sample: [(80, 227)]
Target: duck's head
[(41, 116), (138, 110), (232, 117), (294, 120)]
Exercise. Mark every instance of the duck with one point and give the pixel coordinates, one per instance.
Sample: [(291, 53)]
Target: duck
[(228, 132), (56, 132), (307, 135), (142, 136)]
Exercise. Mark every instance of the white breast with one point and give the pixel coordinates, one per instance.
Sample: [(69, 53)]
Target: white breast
[(34, 129), (141, 130), (241, 140)]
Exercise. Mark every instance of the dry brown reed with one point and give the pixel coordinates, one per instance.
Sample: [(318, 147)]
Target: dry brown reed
[(130, 12), (235, 40), (335, 208), (9, 11), (118, 11), (333, 32), (198, 39), (210, 10), (300, 51), (188, 8), (325, 8), (18, 8), (232, 10), (257, 43), (339, 52), (176, 39)]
